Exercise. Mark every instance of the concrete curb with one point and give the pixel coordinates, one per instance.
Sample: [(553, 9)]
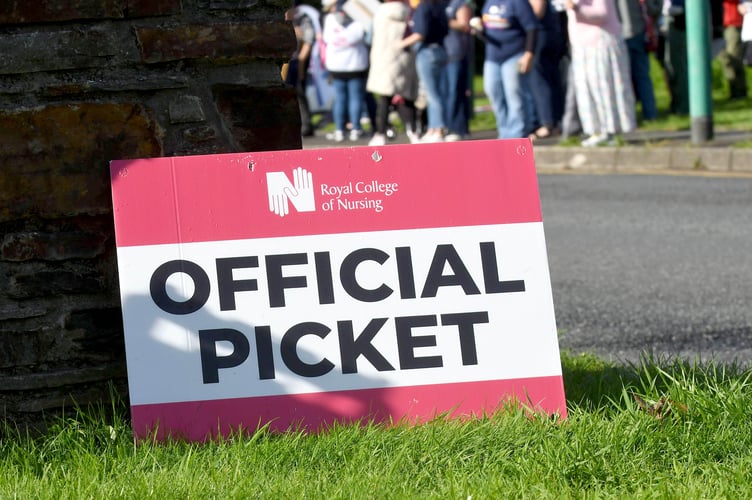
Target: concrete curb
[(634, 159)]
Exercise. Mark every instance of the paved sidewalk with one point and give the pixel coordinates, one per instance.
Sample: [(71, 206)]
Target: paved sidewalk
[(654, 151)]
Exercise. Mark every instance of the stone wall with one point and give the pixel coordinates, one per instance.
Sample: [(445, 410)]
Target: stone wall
[(83, 82)]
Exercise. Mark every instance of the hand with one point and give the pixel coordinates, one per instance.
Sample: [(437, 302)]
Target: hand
[(280, 191), (525, 62), (476, 24), (302, 194)]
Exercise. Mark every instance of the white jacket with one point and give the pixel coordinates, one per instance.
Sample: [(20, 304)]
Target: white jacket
[(392, 69), (346, 50)]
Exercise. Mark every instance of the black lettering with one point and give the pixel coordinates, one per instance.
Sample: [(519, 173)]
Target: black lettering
[(465, 322), (350, 284), (289, 350), (405, 272), (227, 286), (324, 277), (406, 342), (446, 254), (276, 282), (210, 362), (351, 348), (264, 353), (158, 287), (491, 272)]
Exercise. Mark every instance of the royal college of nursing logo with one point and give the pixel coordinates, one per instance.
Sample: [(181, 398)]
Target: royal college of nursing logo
[(282, 192), (369, 194)]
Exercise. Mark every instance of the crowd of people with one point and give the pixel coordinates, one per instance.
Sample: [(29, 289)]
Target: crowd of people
[(550, 67)]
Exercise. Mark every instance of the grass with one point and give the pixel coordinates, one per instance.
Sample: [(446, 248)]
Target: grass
[(656, 429)]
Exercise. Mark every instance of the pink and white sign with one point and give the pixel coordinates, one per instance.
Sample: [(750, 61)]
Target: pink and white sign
[(299, 288)]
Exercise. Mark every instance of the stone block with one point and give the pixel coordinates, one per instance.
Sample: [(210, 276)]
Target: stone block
[(62, 377), (27, 348), (65, 49), (78, 279), (227, 4), (576, 158), (186, 109), (741, 160), (51, 11), (260, 119), (236, 41), (630, 158), (14, 310), (701, 159), (18, 247), (56, 158), (147, 8)]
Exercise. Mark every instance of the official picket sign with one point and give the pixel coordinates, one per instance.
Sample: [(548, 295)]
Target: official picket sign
[(299, 288)]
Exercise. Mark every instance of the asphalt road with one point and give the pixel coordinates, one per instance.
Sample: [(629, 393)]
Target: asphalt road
[(659, 264)]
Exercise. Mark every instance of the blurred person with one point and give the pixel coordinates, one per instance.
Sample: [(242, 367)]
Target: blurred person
[(458, 45), (605, 99), (546, 85), (430, 27), (570, 120), (745, 9), (510, 30), (297, 71), (347, 63), (732, 57), (633, 29), (675, 55), (392, 75)]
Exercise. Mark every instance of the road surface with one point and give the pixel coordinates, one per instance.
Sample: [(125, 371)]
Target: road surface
[(658, 264)]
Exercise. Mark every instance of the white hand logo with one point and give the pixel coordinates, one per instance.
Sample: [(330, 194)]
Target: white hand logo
[(300, 193)]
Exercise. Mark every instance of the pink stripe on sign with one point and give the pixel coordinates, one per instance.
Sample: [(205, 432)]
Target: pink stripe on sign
[(202, 420), (361, 189)]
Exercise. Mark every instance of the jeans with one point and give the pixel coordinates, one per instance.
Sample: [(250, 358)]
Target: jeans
[(504, 84), (348, 102), (545, 80), (431, 65), (639, 66), (458, 103)]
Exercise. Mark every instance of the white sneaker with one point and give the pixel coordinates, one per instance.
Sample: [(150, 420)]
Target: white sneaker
[(377, 140), (452, 137), (336, 136), (594, 140), (412, 137), (431, 138), (355, 134)]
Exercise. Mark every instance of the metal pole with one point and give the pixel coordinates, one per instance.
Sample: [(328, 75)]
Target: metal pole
[(698, 65)]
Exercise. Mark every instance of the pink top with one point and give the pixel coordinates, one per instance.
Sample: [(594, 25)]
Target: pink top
[(590, 17)]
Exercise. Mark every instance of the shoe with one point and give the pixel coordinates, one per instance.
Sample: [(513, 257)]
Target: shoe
[(452, 137), (336, 136), (431, 138), (355, 134), (544, 133), (377, 140), (412, 137), (594, 140)]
